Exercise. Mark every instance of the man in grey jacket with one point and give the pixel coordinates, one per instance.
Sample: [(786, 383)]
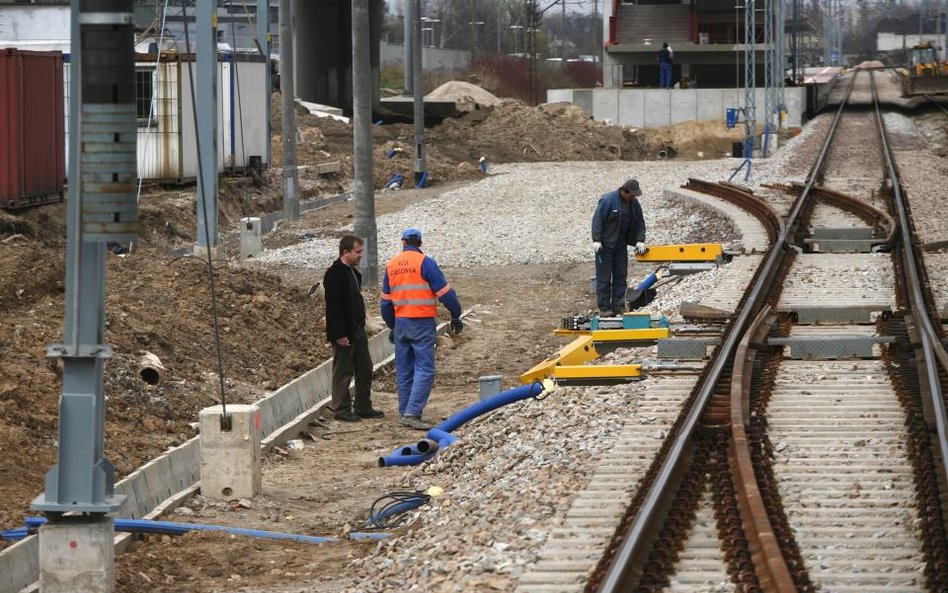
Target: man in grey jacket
[(616, 224)]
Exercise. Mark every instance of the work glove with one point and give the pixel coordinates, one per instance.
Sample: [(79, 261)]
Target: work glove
[(640, 248), (457, 326), (391, 337), (596, 246)]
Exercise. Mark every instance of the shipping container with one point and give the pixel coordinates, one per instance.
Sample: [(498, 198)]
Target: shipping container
[(32, 128)]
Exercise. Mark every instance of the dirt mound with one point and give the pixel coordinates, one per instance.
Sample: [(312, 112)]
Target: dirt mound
[(515, 132), (868, 64), (466, 96), (693, 140)]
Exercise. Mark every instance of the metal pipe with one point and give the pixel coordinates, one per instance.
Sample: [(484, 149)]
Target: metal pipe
[(421, 160)]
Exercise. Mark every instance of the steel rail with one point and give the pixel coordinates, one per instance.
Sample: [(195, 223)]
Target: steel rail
[(932, 348), (864, 210), (638, 539), (770, 565)]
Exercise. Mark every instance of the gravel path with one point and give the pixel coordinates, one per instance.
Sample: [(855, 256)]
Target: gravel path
[(541, 213)]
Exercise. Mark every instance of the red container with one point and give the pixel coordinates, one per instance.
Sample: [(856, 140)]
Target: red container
[(32, 128)]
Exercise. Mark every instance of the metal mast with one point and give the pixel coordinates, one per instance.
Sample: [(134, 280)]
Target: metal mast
[(102, 208), (750, 79), (770, 98), (780, 67)]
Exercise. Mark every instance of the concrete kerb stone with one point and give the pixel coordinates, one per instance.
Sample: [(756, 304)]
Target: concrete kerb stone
[(19, 565), (157, 474), (129, 510), (140, 487), (185, 463), (268, 421)]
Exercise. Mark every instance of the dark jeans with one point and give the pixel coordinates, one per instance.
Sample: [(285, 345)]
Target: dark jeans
[(665, 76), (612, 270), (347, 361)]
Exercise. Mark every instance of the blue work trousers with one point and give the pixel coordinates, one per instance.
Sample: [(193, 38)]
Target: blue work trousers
[(612, 271), (414, 363), (665, 75)]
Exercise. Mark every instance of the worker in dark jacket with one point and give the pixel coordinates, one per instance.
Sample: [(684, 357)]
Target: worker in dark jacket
[(412, 286), (345, 330), (616, 224)]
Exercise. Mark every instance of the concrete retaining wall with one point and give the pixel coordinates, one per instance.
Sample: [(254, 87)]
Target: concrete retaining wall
[(432, 58), (180, 468), (656, 108)]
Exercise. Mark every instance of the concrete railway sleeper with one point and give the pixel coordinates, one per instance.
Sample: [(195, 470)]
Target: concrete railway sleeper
[(834, 470)]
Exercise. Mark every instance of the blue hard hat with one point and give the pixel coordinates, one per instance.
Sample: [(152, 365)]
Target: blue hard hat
[(411, 233)]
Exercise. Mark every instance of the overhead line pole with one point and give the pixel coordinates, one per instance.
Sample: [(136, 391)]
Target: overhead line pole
[(291, 181), (363, 184)]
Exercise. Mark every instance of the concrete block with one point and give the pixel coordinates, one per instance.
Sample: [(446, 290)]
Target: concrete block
[(200, 252), (185, 464), (129, 509), (251, 237), (583, 99), (657, 107), (160, 479), (684, 105), (328, 167), (631, 108), (606, 104), (710, 104), (77, 556), (230, 460), (142, 498), (559, 95), (268, 422), (19, 565)]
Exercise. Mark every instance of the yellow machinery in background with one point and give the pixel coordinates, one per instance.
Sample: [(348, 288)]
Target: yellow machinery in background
[(926, 75)]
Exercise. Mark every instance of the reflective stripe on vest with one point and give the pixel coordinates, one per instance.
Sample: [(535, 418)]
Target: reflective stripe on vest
[(409, 292)]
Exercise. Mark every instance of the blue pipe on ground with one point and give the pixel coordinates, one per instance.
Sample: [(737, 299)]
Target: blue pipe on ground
[(397, 459), (397, 508), (173, 528), (440, 436)]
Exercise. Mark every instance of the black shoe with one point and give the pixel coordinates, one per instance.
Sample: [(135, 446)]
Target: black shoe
[(371, 413), (346, 417)]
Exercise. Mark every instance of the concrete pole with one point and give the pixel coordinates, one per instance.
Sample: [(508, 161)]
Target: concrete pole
[(291, 183), (264, 40), (421, 161), (410, 17), (206, 114), (363, 185)]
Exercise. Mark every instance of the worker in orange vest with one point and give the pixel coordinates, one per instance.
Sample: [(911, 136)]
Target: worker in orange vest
[(412, 286)]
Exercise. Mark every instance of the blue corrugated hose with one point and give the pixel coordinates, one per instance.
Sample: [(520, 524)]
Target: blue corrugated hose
[(173, 528)]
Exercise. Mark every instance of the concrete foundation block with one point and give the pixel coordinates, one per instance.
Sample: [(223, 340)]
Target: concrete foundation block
[(230, 460), (200, 252), (251, 237), (77, 556)]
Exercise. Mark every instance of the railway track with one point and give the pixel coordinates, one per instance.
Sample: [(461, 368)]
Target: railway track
[(809, 455)]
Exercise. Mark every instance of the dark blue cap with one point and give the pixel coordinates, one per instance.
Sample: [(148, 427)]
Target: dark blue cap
[(411, 233)]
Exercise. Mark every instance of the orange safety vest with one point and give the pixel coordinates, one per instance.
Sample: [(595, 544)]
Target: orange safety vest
[(409, 292)]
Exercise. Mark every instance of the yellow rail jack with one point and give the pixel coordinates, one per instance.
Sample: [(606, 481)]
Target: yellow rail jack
[(568, 366), (693, 252)]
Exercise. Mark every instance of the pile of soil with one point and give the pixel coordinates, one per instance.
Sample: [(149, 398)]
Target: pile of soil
[(270, 332), (515, 132), (466, 96)]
